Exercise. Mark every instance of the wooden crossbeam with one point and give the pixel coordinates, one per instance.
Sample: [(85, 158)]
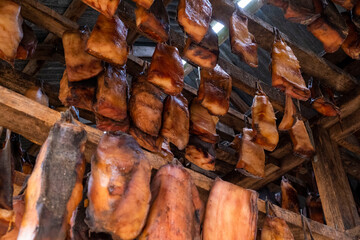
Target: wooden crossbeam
[(33, 121), (347, 126)]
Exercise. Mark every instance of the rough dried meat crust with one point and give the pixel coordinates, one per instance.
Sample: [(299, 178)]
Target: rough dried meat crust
[(200, 153), (289, 115), (150, 143), (105, 7), (289, 199), (301, 141), (275, 228)]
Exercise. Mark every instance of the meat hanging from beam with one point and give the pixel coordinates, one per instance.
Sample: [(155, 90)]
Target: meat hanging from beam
[(215, 90), (289, 115), (314, 207), (18, 211), (194, 16), (289, 197), (355, 15), (176, 211), (285, 70), (7, 172), (176, 121), (144, 3), (150, 143), (107, 40), (275, 228), (37, 94), (302, 145), (119, 187), (166, 69), (200, 153), (28, 43), (351, 45), (79, 64), (154, 22), (146, 106), (105, 7), (11, 31), (110, 125), (242, 41), (231, 213), (347, 4), (59, 168)]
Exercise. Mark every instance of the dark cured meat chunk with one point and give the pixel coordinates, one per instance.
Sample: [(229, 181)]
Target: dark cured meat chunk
[(28, 43), (150, 143), (302, 145), (176, 211), (109, 125), (351, 45), (347, 4), (289, 198), (200, 153), (35, 93), (154, 22), (105, 7), (275, 228), (313, 204), (355, 15), (6, 172), (144, 3), (289, 115), (55, 188)]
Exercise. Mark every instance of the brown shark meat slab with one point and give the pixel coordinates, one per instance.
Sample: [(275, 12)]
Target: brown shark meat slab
[(289, 115), (302, 145), (351, 45), (200, 153), (105, 7), (109, 125), (316, 213), (289, 199), (55, 188), (150, 143), (275, 228), (28, 43), (37, 94), (144, 3), (119, 187)]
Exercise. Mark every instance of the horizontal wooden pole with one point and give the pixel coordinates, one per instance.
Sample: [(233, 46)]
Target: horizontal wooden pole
[(33, 121), (347, 126)]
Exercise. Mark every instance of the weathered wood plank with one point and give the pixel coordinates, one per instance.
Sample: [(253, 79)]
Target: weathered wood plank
[(237, 101), (347, 126), (336, 196), (310, 63)]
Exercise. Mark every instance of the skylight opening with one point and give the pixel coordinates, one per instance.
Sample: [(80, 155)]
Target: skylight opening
[(217, 27), (183, 62), (243, 3)]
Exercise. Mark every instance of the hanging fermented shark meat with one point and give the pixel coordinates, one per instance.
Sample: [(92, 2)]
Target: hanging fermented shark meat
[(19, 209), (289, 198), (28, 43), (166, 69), (204, 54), (264, 122), (105, 7), (176, 121), (304, 12), (275, 228), (176, 211), (351, 45), (347, 4), (194, 16), (151, 143), (321, 103), (109, 125), (289, 115), (315, 210), (355, 15), (203, 124), (6, 172), (35, 93), (251, 157), (146, 106), (144, 3), (79, 94), (107, 40), (79, 64), (285, 72), (166, 151), (231, 213), (300, 138), (154, 22), (215, 90), (11, 31), (111, 96), (200, 153), (330, 28), (242, 41), (119, 187), (59, 168)]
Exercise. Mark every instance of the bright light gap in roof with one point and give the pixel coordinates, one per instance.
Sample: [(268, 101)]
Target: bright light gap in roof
[(183, 61), (217, 27), (243, 3)]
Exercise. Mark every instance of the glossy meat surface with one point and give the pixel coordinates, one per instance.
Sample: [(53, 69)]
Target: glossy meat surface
[(119, 187), (264, 122), (204, 54), (109, 125), (242, 41), (107, 41), (289, 198), (347, 4), (35, 93), (79, 64), (300, 138), (111, 95), (28, 43), (202, 123), (166, 69), (19, 209), (105, 7), (251, 157), (351, 45), (215, 90), (285, 70), (176, 211), (275, 228), (176, 121), (144, 3), (11, 31), (325, 107), (154, 22), (200, 153), (55, 188), (150, 143), (231, 213), (146, 106), (79, 94), (194, 16), (288, 119), (6, 172)]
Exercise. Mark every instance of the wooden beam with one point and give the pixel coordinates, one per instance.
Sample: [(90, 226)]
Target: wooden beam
[(310, 63), (347, 126), (237, 101), (335, 193), (351, 164), (33, 121)]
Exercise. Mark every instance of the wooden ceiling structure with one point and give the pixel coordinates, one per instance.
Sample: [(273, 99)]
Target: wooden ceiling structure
[(33, 121)]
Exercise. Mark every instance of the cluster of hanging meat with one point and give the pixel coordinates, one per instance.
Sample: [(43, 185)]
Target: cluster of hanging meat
[(324, 21)]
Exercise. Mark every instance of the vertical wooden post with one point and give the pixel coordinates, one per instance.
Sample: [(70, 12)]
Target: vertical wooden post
[(335, 193)]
